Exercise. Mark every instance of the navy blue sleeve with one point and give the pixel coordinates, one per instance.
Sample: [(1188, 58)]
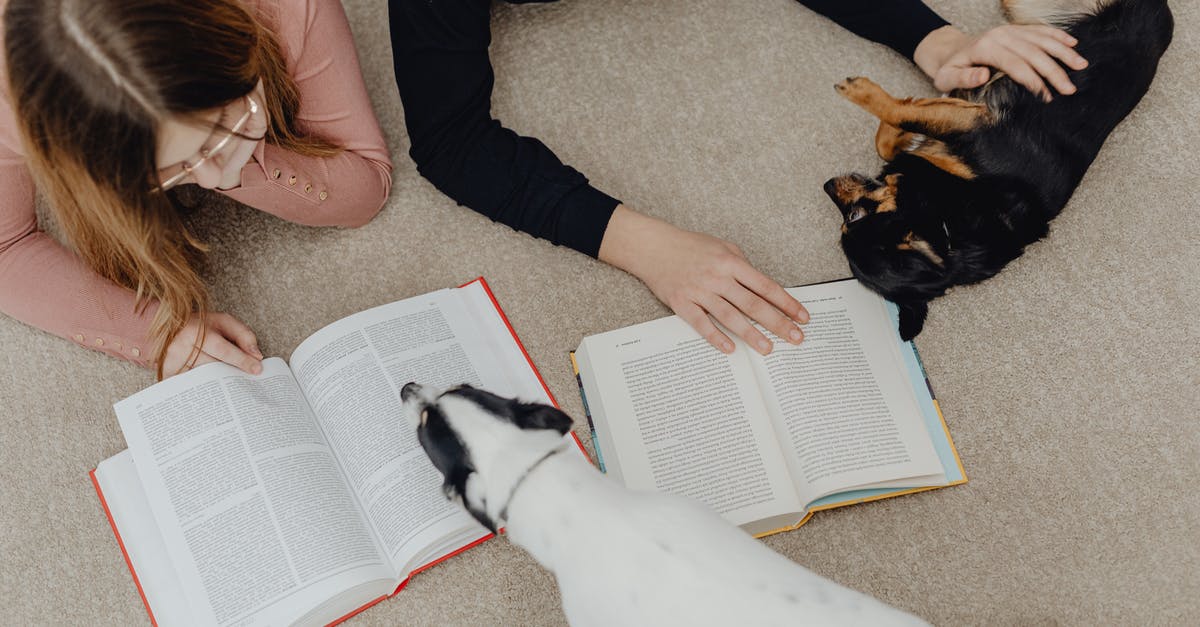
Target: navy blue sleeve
[(440, 52), (897, 24)]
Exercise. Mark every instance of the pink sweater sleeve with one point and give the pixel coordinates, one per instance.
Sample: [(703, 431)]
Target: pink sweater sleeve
[(45, 285), (344, 190)]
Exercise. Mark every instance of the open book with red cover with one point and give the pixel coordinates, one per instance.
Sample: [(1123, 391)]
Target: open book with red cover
[(301, 495)]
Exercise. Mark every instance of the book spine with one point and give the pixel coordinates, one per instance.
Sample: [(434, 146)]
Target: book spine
[(121, 544), (587, 412), (924, 373)]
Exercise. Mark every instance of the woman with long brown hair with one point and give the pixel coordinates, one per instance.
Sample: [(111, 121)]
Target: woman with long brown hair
[(113, 105)]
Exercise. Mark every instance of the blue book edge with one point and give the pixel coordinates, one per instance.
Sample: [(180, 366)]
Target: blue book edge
[(588, 414)]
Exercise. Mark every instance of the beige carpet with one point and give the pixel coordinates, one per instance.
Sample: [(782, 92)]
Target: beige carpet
[(1069, 382)]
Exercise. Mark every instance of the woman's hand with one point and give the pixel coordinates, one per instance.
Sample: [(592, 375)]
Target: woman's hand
[(226, 339), (1028, 53), (699, 276), (242, 149)]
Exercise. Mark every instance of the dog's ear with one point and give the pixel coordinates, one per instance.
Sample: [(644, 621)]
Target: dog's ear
[(912, 318), (537, 416)]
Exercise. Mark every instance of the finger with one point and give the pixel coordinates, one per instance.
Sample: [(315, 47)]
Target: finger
[(1045, 65), (264, 114), (237, 331), (203, 358), (174, 365), (774, 294), (951, 78), (695, 316), (1057, 49), (1011, 63), (735, 321), (764, 313), (1057, 34), (220, 348)]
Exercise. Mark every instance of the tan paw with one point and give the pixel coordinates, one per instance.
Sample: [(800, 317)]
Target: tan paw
[(859, 90)]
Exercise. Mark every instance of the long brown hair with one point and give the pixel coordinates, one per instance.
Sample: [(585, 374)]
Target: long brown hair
[(91, 82)]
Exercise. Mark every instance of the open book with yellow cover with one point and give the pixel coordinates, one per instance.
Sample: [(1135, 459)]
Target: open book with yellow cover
[(845, 417)]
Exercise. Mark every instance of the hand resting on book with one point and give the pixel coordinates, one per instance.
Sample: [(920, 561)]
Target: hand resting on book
[(620, 557)]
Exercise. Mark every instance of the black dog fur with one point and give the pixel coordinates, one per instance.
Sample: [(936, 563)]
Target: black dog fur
[(1026, 158)]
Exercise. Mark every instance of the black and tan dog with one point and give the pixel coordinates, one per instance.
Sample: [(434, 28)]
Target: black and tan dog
[(972, 179)]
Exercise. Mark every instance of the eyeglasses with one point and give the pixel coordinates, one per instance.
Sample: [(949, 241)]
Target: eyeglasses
[(208, 153)]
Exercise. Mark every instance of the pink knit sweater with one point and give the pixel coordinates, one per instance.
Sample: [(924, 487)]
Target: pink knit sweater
[(45, 285)]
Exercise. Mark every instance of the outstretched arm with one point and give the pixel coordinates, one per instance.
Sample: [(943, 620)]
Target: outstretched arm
[(440, 51), (47, 286), (445, 80)]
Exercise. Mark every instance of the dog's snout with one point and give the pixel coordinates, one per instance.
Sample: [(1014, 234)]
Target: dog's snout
[(846, 189), (830, 188), (409, 390)]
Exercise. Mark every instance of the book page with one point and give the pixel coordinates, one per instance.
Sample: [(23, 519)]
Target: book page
[(677, 415), (352, 372), (841, 402), (253, 510), (121, 489)]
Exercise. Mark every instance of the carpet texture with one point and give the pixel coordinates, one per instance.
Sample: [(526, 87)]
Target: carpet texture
[(1069, 382)]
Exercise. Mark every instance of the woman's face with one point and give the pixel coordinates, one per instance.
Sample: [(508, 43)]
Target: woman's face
[(201, 149)]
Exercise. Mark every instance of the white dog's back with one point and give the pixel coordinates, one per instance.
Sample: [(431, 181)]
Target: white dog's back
[(630, 558)]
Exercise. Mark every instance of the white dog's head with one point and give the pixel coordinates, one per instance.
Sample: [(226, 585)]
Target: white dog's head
[(481, 443)]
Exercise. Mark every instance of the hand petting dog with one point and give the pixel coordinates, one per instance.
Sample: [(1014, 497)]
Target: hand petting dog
[(1029, 53)]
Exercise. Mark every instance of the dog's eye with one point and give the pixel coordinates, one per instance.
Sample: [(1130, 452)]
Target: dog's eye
[(855, 214)]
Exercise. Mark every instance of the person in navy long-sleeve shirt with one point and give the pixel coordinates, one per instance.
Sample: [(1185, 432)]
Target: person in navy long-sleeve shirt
[(445, 79)]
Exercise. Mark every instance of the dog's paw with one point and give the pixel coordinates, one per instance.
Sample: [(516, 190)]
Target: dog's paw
[(858, 90), (849, 82)]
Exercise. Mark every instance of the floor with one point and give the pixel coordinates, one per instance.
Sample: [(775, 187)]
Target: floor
[(1069, 382)]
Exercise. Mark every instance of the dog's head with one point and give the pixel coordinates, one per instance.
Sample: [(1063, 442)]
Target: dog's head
[(893, 246), (481, 442)]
